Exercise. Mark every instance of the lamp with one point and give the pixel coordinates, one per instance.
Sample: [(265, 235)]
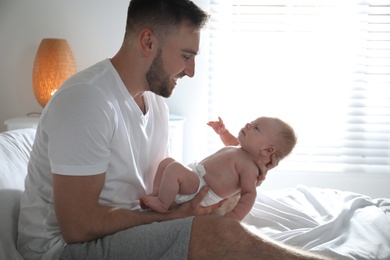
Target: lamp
[(54, 63)]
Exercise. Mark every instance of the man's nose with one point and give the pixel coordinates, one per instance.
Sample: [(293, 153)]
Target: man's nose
[(190, 68)]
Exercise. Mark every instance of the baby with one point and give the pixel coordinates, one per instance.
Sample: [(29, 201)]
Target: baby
[(231, 170)]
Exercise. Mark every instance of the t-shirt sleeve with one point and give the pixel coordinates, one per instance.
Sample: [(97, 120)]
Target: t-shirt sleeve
[(79, 127)]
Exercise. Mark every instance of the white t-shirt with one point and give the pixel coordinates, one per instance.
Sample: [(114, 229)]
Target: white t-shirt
[(92, 125)]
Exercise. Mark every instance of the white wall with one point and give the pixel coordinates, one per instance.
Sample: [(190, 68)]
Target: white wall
[(94, 29)]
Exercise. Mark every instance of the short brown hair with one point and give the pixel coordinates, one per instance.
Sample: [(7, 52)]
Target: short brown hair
[(163, 16)]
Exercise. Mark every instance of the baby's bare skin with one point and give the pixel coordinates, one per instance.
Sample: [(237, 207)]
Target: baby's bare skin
[(229, 171), (226, 167), (233, 170)]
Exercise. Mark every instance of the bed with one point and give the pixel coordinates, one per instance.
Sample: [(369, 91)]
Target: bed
[(338, 224)]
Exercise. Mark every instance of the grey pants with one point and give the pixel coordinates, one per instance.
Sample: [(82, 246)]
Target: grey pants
[(162, 240)]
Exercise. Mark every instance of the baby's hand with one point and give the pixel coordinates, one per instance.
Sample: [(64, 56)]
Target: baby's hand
[(218, 126)]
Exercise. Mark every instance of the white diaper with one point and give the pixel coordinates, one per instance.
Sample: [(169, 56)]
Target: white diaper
[(211, 197)]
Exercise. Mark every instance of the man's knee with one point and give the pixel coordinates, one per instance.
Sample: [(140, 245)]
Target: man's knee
[(214, 233), (223, 229), (228, 228)]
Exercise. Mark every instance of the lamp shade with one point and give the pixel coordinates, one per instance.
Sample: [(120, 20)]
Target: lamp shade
[(54, 63)]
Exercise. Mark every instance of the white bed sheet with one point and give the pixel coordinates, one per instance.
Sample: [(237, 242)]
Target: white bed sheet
[(339, 224)]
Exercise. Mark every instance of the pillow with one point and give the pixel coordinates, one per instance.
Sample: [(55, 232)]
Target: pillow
[(9, 214), (15, 149)]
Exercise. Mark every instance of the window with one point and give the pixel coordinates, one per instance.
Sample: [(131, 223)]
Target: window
[(321, 65)]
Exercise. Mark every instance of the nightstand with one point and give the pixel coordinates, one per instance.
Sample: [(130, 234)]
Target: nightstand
[(21, 122)]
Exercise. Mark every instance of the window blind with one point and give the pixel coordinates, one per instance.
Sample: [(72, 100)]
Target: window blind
[(321, 65)]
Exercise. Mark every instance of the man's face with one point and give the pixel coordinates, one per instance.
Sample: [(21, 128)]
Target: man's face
[(173, 61), (157, 78)]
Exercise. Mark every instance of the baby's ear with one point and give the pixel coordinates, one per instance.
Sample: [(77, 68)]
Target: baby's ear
[(268, 151)]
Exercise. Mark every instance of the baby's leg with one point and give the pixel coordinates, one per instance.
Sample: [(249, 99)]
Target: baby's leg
[(157, 181), (176, 178), (159, 173)]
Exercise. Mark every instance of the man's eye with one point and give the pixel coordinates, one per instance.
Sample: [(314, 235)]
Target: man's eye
[(186, 57)]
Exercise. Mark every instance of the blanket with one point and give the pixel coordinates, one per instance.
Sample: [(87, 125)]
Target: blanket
[(338, 224)]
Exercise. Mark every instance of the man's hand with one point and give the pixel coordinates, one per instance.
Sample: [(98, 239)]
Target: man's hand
[(264, 168), (227, 205), (193, 208)]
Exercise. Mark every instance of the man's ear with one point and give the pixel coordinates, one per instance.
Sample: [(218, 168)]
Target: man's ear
[(147, 42), (268, 151)]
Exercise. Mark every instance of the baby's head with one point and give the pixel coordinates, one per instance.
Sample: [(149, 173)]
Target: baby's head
[(266, 136), (284, 138)]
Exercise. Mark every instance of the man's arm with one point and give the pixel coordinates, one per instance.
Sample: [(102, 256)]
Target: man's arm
[(82, 219)]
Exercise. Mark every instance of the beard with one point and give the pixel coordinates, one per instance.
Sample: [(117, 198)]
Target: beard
[(157, 78)]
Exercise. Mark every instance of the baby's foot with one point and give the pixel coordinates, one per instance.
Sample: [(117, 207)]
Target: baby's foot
[(141, 200), (154, 203), (142, 203)]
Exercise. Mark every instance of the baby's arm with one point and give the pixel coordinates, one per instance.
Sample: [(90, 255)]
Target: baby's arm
[(226, 137), (248, 196)]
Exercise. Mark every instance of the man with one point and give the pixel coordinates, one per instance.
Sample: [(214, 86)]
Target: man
[(97, 148)]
